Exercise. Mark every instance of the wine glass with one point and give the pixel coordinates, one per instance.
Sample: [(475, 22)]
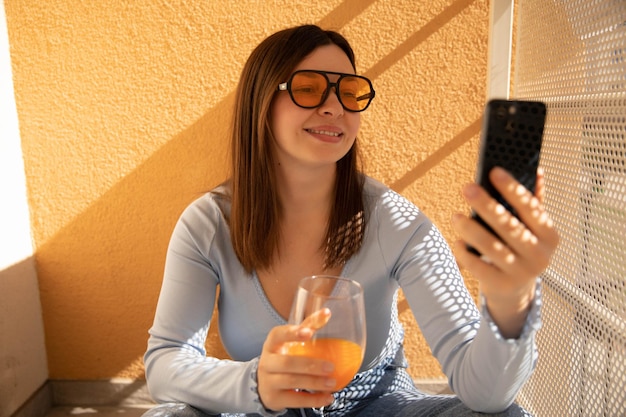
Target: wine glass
[(341, 340)]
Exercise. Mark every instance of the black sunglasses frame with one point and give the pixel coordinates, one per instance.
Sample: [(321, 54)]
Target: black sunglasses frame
[(370, 96)]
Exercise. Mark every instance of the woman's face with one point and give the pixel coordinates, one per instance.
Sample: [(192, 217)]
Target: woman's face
[(320, 136)]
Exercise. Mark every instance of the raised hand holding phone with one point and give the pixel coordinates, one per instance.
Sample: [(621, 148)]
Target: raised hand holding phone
[(509, 226), (511, 138)]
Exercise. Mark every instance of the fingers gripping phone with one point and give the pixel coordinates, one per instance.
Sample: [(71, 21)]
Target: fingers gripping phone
[(511, 138)]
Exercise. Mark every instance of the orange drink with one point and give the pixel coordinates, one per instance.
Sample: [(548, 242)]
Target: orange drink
[(333, 308), (346, 355)]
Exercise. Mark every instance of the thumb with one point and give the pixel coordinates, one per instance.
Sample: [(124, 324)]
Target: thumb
[(280, 335), (316, 320)]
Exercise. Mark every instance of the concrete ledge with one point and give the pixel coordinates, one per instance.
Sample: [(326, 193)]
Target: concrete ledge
[(38, 404), (114, 392), (433, 386)]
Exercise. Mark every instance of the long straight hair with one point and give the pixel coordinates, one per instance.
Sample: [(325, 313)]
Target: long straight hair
[(255, 208)]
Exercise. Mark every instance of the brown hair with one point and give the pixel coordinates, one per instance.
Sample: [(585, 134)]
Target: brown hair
[(255, 208)]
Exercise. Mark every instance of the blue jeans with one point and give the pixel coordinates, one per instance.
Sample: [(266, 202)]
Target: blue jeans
[(397, 404)]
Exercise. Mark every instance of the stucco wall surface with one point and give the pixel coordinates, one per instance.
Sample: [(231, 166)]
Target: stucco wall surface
[(123, 110)]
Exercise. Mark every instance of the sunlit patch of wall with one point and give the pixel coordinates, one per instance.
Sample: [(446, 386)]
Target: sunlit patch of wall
[(124, 109)]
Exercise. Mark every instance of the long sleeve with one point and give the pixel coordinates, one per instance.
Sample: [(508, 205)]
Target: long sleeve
[(484, 370), (177, 368)]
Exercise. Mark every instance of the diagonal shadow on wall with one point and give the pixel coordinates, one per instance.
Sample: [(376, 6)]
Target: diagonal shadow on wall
[(126, 229), (418, 37), (436, 157), (342, 14)]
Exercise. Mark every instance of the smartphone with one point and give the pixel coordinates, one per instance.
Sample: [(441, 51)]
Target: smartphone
[(511, 137)]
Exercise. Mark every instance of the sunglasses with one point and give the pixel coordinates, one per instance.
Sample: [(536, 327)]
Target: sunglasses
[(309, 89)]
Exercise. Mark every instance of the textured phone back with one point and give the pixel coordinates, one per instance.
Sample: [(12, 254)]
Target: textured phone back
[(512, 133), (511, 138)]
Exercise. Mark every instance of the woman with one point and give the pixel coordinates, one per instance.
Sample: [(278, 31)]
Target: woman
[(297, 205)]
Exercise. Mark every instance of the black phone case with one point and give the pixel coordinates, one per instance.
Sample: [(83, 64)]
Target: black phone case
[(511, 138)]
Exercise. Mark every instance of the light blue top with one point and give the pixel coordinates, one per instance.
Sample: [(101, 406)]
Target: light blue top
[(401, 249)]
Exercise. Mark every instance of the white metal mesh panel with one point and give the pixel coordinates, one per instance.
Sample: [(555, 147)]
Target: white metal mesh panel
[(572, 55)]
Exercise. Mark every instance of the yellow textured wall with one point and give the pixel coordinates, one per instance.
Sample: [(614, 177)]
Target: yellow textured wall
[(123, 109)]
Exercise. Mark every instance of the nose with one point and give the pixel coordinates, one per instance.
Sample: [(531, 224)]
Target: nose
[(332, 105)]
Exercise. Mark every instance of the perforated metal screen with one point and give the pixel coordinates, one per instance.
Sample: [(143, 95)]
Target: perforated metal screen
[(572, 55)]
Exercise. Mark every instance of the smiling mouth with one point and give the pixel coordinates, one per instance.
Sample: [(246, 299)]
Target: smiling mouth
[(324, 132)]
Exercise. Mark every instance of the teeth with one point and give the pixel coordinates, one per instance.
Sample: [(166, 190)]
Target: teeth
[(324, 132)]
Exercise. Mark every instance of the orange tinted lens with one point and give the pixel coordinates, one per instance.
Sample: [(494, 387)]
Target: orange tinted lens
[(308, 88), (355, 93)]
